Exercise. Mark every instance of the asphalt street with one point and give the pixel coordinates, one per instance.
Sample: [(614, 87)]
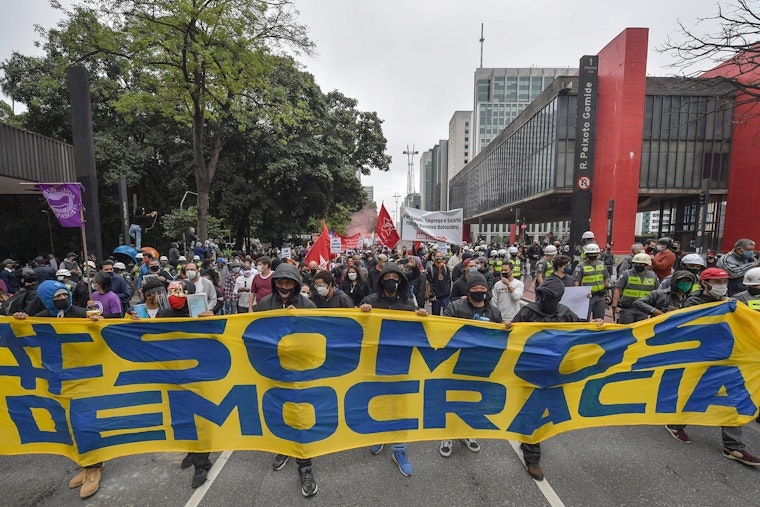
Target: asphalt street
[(630, 465)]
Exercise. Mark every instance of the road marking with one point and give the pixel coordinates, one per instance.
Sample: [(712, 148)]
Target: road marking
[(200, 492), (543, 486)]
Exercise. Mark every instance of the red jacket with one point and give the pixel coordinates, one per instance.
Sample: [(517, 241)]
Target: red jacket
[(662, 264)]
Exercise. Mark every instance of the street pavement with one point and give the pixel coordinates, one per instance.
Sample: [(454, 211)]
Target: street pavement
[(629, 465)]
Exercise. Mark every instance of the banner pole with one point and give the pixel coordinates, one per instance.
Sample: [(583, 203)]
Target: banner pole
[(84, 246)]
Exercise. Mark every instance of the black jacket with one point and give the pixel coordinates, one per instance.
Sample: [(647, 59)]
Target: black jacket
[(400, 301), (662, 300), (462, 309), (357, 291)]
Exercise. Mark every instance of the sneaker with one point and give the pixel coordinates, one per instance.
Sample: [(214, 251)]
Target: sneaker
[(199, 477), (741, 457), (308, 484), (187, 461), (445, 448), (471, 444), (679, 435), (399, 458), (280, 461), (535, 471), (375, 449)]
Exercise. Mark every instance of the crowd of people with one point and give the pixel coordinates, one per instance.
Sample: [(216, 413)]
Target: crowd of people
[(480, 282)]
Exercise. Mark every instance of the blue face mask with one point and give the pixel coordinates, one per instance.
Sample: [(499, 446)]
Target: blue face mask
[(748, 255)]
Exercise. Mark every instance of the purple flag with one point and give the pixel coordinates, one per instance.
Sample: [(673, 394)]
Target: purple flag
[(66, 202)]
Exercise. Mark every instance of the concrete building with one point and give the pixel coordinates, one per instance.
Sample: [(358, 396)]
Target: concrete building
[(434, 181), (370, 191), (500, 95), (460, 144)]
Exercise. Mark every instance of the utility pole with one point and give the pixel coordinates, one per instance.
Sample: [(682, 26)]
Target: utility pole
[(410, 175), (396, 196)]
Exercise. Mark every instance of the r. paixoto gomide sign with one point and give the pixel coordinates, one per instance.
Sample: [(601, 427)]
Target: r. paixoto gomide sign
[(310, 382)]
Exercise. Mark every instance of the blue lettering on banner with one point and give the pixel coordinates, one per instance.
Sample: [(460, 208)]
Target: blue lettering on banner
[(492, 399), (715, 343), (667, 394), (356, 406), (185, 405), (479, 349), (591, 406), (342, 352), (322, 399), (50, 345), (542, 407), (87, 426), (714, 381), (20, 411), (212, 356), (543, 353)]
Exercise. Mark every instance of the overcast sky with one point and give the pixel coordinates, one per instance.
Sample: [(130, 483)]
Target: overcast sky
[(413, 61)]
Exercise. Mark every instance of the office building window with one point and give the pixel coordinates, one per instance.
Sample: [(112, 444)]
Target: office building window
[(511, 89), (484, 90)]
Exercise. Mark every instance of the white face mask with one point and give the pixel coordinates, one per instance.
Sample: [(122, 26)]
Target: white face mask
[(352, 276), (719, 290), (191, 274), (322, 291)]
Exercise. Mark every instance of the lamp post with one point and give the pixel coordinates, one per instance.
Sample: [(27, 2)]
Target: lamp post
[(396, 196), (50, 231)]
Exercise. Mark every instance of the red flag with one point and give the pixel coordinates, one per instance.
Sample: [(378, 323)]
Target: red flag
[(320, 252), (385, 229)]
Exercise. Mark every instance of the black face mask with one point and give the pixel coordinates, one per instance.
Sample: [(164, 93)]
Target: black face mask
[(640, 269), (549, 305), (390, 286), (755, 291), (592, 258), (478, 297), (696, 271), (313, 271), (154, 269), (61, 304), (285, 293)]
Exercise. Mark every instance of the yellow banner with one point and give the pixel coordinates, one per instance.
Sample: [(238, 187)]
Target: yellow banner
[(311, 382)]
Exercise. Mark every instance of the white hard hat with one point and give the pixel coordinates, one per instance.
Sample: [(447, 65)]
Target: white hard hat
[(139, 255), (63, 272), (592, 248), (119, 265), (693, 259), (196, 257), (503, 252), (182, 258), (163, 258), (588, 235), (92, 264), (513, 250), (752, 277), (493, 253), (550, 250), (642, 258)]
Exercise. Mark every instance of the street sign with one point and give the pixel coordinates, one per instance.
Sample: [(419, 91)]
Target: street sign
[(584, 182)]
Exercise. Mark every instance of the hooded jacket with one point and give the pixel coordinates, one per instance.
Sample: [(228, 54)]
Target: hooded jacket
[(46, 291), (400, 301), (273, 301)]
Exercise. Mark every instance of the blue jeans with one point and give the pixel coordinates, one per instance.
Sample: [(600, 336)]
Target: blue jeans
[(439, 305), (136, 232)]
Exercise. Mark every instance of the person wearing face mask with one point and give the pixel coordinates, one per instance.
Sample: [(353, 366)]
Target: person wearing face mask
[(63, 275), (202, 284), (751, 296), (392, 293), (56, 300), (714, 287), (154, 268), (353, 285), (633, 284), (508, 292), (262, 284), (244, 288), (693, 263), (544, 267), (591, 272), (286, 283), (459, 288), (327, 295), (664, 259), (231, 296), (118, 284), (484, 270), (476, 306), (546, 308), (736, 263), (177, 293), (101, 292), (668, 299), (711, 260), (154, 293), (439, 278)]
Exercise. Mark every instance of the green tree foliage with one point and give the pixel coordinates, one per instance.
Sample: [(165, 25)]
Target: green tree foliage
[(177, 222), (196, 95)]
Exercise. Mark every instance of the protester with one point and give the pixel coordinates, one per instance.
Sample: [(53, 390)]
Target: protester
[(353, 285), (737, 262), (508, 292)]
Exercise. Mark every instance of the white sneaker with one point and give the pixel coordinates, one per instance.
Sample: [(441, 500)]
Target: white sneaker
[(445, 448), (471, 444)]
